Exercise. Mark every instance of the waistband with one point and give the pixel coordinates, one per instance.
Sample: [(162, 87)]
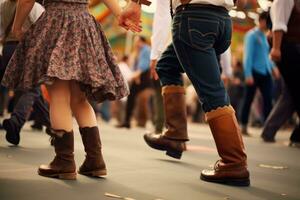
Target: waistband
[(197, 6)]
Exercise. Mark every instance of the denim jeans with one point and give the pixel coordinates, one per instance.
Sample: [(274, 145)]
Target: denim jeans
[(200, 35)]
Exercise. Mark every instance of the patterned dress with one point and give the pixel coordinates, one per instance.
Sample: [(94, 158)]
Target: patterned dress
[(66, 43)]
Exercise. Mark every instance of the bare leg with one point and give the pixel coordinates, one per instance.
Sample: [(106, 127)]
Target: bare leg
[(82, 110), (60, 110)]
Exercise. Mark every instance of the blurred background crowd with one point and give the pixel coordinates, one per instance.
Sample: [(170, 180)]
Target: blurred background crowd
[(253, 92)]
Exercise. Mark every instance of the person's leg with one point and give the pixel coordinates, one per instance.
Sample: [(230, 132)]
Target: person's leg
[(130, 104), (266, 87), (61, 132), (173, 139), (41, 112), (19, 116), (158, 107), (246, 106), (94, 164), (201, 35), (281, 112)]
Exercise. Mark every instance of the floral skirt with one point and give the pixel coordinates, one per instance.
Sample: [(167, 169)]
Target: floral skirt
[(66, 43)]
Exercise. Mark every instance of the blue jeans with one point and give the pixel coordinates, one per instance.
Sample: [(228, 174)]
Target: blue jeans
[(200, 35)]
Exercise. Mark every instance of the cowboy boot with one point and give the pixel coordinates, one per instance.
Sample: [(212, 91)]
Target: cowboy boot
[(231, 169), (94, 164), (173, 140), (63, 166)]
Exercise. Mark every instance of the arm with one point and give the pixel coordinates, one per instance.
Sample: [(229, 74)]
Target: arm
[(113, 5), (94, 3), (280, 14), (23, 9), (160, 29), (248, 55), (160, 32)]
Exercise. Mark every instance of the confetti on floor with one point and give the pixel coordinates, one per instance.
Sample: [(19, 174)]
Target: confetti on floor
[(273, 167)]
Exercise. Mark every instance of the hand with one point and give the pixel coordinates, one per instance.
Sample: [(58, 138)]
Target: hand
[(250, 81), (275, 55), (225, 80), (130, 18), (18, 33), (153, 73), (276, 73)]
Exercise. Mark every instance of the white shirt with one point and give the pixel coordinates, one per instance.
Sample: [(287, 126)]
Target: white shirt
[(7, 10), (228, 4), (225, 62), (161, 29), (281, 11)]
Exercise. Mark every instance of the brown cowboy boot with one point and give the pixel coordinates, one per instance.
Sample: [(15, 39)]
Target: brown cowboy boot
[(94, 164), (173, 140), (63, 166), (232, 168)]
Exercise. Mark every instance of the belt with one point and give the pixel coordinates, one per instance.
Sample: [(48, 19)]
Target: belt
[(197, 6)]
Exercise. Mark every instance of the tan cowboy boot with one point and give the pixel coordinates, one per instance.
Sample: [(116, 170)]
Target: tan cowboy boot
[(94, 164), (173, 140), (63, 166), (232, 168)]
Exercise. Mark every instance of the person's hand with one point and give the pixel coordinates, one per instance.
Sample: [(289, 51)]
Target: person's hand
[(18, 33), (130, 18), (275, 55), (276, 73), (153, 73), (225, 80), (250, 81)]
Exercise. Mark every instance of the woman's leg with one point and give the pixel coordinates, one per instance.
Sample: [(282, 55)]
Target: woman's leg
[(94, 164), (81, 108), (60, 110), (63, 166)]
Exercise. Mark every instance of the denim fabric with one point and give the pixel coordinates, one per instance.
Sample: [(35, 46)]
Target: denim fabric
[(199, 35)]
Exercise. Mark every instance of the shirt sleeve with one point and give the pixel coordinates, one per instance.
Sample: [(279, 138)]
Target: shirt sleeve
[(280, 14), (160, 29), (144, 59), (36, 12), (248, 54)]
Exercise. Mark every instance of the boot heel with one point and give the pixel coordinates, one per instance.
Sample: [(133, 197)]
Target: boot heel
[(67, 176), (99, 173), (174, 154)]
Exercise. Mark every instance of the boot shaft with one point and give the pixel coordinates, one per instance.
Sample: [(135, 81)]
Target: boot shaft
[(175, 112), (227, 135)]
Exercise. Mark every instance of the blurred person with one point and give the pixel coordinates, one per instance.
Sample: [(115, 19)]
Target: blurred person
[(140, 80), (25, 101), (258, 70), (281, 112), (75, 65), (226, 65), (161, 29), (236, 88), (119, 106), (285, 15), (197, 41)]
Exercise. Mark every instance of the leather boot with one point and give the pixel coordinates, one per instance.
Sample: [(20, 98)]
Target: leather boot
[(63, 166), (173, 140), (94, 164), (231, 169)]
